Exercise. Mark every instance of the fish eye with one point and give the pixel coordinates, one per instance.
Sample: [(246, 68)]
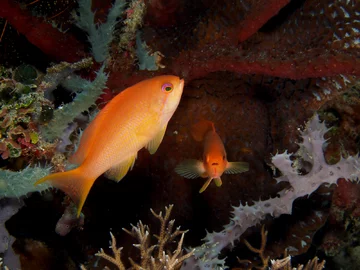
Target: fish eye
[(167, 87), (224, 157)]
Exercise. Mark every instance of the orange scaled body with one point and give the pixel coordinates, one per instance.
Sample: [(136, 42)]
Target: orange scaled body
[(135, 118), (214, 162)]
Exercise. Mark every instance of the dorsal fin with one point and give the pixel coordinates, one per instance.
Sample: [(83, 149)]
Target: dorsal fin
[(199, 130), (88, 137)]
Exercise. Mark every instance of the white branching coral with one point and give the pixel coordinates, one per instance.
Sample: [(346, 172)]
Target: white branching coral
[(280, 264), (285, 264), (1, 264), (245, 216), (153, 257)]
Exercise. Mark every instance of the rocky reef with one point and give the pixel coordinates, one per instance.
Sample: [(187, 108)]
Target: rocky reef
[(280, 80)]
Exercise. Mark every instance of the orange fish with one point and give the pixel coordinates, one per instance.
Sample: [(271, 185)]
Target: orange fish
[(135, 118), (214, 162)]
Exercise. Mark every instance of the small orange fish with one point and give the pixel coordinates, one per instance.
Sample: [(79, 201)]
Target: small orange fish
[(135, 118), (214, 162)]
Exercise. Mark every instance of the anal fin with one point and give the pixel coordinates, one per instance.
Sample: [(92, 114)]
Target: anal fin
[(207, 183), (118, 172), (218, 182)]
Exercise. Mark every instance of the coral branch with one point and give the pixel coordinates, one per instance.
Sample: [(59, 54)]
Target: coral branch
[(117, 254), (82, 102), (100, 36), (258, 16), (261, 250), (316, 41), (192, 66), (285, 264), (163, 260), (231, 22), (47, 38), (17, 184)]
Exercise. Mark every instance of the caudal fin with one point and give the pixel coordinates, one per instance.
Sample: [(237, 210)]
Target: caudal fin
[(199, 130), (74, 183)]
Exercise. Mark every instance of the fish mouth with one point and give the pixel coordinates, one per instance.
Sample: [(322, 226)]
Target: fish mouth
[(215, 173), (182, 82)]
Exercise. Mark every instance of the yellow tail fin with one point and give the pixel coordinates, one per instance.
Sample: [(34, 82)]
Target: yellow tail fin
[(199, 130), (74, 183)]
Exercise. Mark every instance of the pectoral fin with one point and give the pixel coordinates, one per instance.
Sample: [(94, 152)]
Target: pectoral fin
[(154, 144), (190, 168), (118, 172), (236, 167), (207, 183)]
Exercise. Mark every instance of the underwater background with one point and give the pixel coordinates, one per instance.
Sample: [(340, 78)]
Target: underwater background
[(279, 80)]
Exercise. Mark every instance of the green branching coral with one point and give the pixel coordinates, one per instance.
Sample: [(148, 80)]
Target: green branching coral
[(100, 36), (17, 184), (59, 74), (146, 59), (87, 92), (82, 102)]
